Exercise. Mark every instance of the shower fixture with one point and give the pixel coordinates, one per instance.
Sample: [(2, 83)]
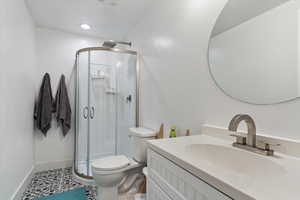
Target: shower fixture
[(112, 43)]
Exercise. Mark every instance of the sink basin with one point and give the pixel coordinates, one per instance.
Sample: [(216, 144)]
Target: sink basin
[(232, 160)]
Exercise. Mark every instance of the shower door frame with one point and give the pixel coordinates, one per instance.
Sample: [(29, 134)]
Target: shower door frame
[(114, 50)]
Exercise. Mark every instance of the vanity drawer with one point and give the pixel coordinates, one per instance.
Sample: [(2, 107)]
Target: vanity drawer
[(177, 182), (154, 192)]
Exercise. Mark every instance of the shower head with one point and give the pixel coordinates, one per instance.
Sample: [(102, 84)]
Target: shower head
[(112, 44)]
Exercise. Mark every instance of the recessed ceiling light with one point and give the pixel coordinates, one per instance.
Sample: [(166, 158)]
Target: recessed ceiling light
[(85, 26)]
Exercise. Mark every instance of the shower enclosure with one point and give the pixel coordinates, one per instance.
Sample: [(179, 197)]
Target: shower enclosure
[(106, 104)]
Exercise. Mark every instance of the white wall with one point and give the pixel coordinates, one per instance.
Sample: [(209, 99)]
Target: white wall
[(176, 85), (17, 91), (56, 55), (261, 55)]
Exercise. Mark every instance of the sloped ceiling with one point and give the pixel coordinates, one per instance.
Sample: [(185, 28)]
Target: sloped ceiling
[(238, 11)]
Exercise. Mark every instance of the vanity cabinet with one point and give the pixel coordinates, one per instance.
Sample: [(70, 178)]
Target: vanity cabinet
[(167, 181), (154, 192)]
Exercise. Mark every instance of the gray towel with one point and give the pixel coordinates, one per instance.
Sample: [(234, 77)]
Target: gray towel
[(62, 107), (44, 106)]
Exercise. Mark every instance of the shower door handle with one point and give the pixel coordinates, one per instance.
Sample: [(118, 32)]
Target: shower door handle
[(92, 112), (85, 112), (129, 98)]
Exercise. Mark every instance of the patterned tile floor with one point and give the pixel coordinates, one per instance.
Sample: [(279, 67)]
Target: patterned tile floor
[(55, 181)]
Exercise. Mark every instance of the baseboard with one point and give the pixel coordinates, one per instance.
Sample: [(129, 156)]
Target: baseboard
[(37, 168), (23, 185), (52, 165)]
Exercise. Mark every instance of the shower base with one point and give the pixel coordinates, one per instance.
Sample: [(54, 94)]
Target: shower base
[(82, 169)]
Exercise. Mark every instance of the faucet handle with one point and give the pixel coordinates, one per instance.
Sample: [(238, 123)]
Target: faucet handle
[(240, 139), (266, 145)]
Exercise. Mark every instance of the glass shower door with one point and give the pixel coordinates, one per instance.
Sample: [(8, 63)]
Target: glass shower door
[(126, 102), (113, 103), (82, 114), (103, 96)]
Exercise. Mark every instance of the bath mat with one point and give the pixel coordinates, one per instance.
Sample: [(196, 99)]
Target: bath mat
[(77, 194)]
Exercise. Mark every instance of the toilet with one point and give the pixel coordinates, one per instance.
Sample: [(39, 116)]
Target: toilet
[(108, 172)]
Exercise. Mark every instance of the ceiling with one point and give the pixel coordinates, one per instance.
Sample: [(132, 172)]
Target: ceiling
[(109, 19), (238, 11)]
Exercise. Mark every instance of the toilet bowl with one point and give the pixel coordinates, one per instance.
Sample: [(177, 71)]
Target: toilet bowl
[(108, 172)]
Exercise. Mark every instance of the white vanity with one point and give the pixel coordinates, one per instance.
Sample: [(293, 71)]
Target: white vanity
[(208, 167), (168, 181)]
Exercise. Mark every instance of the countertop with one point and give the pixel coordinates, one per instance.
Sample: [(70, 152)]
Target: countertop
[(280, 181)]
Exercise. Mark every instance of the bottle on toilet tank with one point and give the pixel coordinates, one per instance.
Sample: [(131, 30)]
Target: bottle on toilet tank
[(173, 132)]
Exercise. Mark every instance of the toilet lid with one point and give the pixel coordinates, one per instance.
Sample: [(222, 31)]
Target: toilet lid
[(111, 163)]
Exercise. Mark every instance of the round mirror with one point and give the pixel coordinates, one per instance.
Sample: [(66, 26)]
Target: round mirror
[(253, 52)]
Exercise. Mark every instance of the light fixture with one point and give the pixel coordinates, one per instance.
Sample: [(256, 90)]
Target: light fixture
[(85, 26)]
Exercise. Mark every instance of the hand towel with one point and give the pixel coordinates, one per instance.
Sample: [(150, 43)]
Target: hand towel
[(44, 106), (62, 107)]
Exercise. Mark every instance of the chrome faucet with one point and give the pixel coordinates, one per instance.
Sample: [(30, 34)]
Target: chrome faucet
[(248, 143)]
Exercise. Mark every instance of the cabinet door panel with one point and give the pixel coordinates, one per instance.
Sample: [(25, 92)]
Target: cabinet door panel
[(154, 192), (178, 183)]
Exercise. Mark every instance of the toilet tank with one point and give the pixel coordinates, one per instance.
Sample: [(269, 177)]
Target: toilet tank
[(140, 136)]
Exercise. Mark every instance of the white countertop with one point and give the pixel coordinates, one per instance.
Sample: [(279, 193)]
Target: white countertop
[(246, 177)]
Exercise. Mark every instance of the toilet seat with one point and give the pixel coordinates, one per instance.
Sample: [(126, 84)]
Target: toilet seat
[(122, 163), (111, 163)]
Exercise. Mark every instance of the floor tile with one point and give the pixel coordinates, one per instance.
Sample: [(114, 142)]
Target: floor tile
[(55, 181), (59, 180)]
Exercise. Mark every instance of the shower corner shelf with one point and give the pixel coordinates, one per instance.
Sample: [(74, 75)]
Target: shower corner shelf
[(111, 91), (102, 77)]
